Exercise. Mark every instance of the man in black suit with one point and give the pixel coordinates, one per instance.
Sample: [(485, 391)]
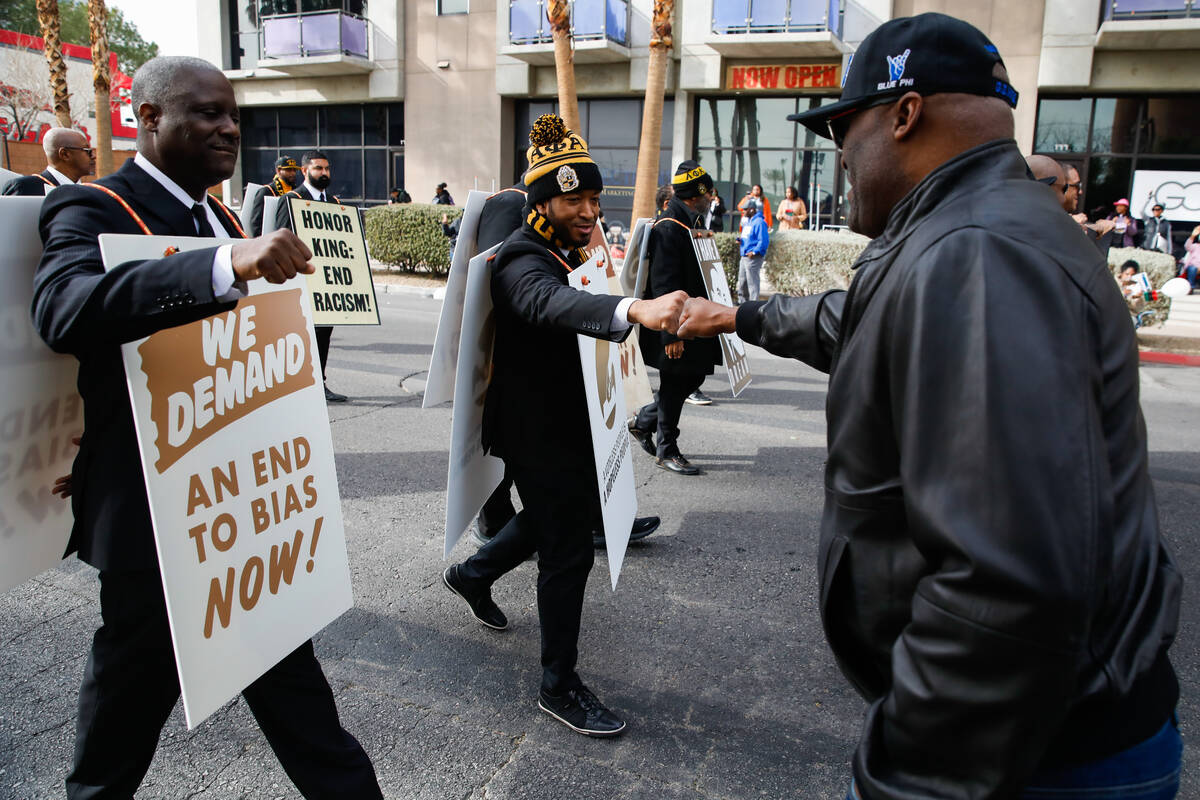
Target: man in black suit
[(681, 368), (317, 177), (535, 414), (500, 216), (287, 172), (68, 159), (187, 140)]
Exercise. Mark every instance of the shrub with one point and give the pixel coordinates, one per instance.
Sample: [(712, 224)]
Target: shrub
[(409, 236), (810, 262)]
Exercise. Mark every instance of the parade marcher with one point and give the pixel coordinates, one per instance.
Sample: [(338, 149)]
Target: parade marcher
[(317, 177), (1156, 231), (284, 180), (756, 237), (535, 414), (992, 575), (187, 141), (682, 366), (500, 216), (662, 198), (68, 160)]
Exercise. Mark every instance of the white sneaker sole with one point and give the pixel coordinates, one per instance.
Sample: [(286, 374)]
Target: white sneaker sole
[(584, 731), (480, 620), (698, 402)]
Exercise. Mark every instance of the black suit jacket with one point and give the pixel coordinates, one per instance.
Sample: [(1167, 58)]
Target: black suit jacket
[(673, 265), (79, 308), (501, 215), (30, 185), (535, 413)]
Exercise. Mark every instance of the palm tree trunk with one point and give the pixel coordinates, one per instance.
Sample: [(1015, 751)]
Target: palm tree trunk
[(102, 83), (652, 111), (558, 12), (48, 20)]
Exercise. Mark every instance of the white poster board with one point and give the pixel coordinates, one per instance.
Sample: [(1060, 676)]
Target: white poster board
[(7, 175), (472, 476), (270, 208), (733, 351), (1177, 192), (629, 357), (439, 386), (606, 413), (240, 477), (633, 270), (252, 190), (40, 411)]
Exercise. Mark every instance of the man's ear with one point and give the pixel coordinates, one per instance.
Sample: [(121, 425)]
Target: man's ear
[(149, 114), (908, 115), (543, 208)]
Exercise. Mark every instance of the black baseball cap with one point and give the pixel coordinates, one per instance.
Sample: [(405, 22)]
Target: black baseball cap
[(929, 54), (286, 162)]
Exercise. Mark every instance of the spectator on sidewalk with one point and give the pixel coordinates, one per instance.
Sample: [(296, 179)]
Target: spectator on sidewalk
[(792, 212), (398, 195), (1190, 265), (714, 217), (441, 197), (755, 196), (1125, 227), (1156, 231), (756, 237)]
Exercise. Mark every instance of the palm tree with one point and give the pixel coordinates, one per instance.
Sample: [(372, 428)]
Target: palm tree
[(558, 12), (652, 110), (48, 20), (102, 83)]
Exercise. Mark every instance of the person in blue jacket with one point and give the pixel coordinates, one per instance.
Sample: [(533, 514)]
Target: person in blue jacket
[(756, 237)]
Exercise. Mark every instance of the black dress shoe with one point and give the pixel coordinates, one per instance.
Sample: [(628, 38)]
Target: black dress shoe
[(582, 712), (677, 464), (644, 438), (333, 397), (482, 606), (642, 527)]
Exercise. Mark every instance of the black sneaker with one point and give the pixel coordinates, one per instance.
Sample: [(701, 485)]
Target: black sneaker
[(333, 397), (698, 398), (483, 608), (642, 527), (677, 464), (644, 438), (582, 712)]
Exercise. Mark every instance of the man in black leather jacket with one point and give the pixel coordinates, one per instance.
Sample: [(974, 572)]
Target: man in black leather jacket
[(993, 580)]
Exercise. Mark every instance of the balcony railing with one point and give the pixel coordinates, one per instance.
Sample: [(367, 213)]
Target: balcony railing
[(776, 16), (590, 19), (1150, 9), (313, 34)]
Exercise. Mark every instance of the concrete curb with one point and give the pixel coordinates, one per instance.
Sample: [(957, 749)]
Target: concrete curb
[(1178, 359), (438, 293)]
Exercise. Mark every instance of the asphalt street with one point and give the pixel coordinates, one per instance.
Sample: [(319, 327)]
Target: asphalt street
[(711, 646)]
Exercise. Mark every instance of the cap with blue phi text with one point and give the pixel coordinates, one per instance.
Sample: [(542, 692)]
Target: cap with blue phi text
[(928, 54)]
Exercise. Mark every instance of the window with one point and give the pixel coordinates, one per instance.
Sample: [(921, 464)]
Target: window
[(446, 7)]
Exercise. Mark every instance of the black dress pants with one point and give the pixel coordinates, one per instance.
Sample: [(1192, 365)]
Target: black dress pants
[(324, 334), (498, 509), (130, 686), (560, 511), (663, 414)]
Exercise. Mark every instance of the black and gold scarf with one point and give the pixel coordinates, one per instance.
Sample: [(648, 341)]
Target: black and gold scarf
[(539, 224)]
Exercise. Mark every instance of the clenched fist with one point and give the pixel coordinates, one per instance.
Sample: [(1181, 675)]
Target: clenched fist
[(659, 314), (278, 257), (703, 318)]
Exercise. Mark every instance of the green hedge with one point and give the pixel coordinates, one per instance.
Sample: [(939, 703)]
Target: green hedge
[(409, 236), (810, 262)]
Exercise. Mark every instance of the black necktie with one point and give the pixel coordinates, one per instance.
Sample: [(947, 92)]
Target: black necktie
[(203, 228)]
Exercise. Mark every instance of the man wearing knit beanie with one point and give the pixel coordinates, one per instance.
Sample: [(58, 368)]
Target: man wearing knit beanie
[(535, 414), (682, 366)]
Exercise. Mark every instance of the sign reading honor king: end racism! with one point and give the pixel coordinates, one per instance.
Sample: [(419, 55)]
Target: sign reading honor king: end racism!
[(783, 77), (343, 292)]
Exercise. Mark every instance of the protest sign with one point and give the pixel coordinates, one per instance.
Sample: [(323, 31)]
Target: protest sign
[(270, 208), (342, 289), (40, 411), (633, 270), (713, 271), (607, 413), (629, 359), (472, 476), (439, 386), (252, 191), (239, 470)]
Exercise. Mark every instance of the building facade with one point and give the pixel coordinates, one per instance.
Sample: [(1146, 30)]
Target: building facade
[(416, 92)]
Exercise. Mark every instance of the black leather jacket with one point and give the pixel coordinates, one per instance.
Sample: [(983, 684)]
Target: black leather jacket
[(992, 576)]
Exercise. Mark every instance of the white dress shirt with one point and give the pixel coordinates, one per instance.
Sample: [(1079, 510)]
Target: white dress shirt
[(63, 180)]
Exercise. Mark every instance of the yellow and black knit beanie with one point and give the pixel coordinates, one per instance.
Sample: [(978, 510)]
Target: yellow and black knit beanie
[(558, 161), (688, 179)]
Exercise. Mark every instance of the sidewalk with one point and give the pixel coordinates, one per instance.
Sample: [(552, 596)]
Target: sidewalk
[(1177, 341)]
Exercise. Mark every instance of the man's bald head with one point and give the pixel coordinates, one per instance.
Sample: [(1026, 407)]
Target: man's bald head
[(68, 152), (1044, 168)]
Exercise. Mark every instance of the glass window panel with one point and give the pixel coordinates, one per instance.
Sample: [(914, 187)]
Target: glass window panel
[(668, 124), (1172, 125), (618, 166), (714, 121), (776, 172), (729, 15), (768, 15), (297, 128), (396, 124), (258, 127), (617, 18), (525, 21), (1062, 126), (616, 122), (1115, 124), (1108, 180), (347, 169), (587, 17), (453, 6), (258, 166), (766, 122), (808, 15), (814, 178), (375, 124), (354, 36), (341, 126), (376, 166)]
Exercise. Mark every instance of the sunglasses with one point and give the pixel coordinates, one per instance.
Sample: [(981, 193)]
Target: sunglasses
[(839, 124), (89, 150)]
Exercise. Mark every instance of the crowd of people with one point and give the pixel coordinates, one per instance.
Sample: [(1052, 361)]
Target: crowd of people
[(993, 579)]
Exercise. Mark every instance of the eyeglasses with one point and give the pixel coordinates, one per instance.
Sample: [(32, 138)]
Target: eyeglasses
[(1077, 186), (838, 125), (89, 150)]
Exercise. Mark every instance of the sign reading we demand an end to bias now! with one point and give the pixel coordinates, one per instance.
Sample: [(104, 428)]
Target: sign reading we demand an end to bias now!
[(343, 292), (239, 468)]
